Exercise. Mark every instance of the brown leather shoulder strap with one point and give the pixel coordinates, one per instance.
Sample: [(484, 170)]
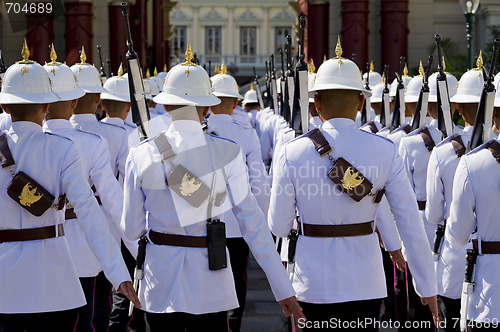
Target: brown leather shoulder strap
[(495, 150), (406, 128), (320, 143), (428, 141), (458, 146), (373, 127), (6, 159)]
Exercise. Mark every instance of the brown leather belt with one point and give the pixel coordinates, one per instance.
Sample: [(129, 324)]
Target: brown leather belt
[(487, 247), (30, 234), (70, 214), (421, 205), (177, 240), (364, 228)]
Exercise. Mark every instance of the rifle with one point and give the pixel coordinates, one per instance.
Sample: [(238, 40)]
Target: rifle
[(398, 113), (445, 123), (282, 81), (274, 94), (423, 99), (258, 89), (289, 78), (140, 110), (103, 72), (365, 112), (385, 114), (300, 113), (110, 72), (482, 124)]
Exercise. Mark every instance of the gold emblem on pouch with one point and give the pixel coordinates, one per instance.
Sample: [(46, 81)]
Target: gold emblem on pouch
[(29, 196), (189, 185), (351, 179)]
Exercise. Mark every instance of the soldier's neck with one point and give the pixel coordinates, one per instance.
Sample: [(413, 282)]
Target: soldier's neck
[(184, 113)]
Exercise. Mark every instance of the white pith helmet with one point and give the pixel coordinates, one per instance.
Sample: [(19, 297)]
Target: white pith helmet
[(225, 85), (339, 74), (413, 89), (153, 87), (117, 87), (187, 84), (250, 97), (63, 80), (470, 87), (394, 85), (26, 82), (87, 76), (160, 77), (451, 80), (374, 78), (377, 93)]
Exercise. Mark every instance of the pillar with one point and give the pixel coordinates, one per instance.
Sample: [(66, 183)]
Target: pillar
[(158, 44), (394, 31), (39, 35), (78, 18), (318, 22), (354, 32), (117, 35)]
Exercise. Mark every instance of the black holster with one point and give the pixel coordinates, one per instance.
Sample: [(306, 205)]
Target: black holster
[(216, 243)]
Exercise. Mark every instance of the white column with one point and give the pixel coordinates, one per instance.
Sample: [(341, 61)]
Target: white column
[(196, 28), (230, 34), (265, 32)]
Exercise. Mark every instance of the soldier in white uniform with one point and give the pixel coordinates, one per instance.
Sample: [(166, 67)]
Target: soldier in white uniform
[(95, 159), (338, 267), (206, 177), (222, 125), (374, 126), (38, 279), (116, 137), (443, 162), (474, 207)]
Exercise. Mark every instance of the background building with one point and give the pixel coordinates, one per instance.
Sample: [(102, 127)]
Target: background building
[(244, 33)]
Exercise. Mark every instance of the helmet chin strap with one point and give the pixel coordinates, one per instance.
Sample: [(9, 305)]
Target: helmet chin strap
[(185, 113)]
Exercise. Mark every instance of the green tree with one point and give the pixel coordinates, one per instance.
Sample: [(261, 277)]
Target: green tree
[(494, 31), (456, 63)]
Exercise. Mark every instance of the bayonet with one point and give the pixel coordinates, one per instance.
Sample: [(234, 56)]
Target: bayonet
[(103, 72)]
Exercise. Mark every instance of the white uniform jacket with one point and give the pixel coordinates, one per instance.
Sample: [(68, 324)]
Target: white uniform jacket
[(333, 270), (222, 125), (476, 189), (177, 279), (440, 174), (95, 159), (39, 276), (116, 137), (415, 157)]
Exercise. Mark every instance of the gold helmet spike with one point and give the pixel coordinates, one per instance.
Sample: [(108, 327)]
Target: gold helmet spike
[(324, 58), (165, 68), (444, 64), (53, 54), (83, 56), (223, 69), (120, 70), (155, 72), (420, 69), (372, 68), (338, 48), (405, 70), (189, 56), (479, 61), (25, 51), (148, 75), (251, 87), (383, 77), (310, 67)]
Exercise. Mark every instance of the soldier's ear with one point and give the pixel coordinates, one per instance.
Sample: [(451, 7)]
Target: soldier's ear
[(45, 108), (5, 109), (361, 101), (317, 102)]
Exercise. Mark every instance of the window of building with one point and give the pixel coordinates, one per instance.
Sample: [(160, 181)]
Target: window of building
[(179, 43), (281, 33), (213, 41), (248, 47)]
